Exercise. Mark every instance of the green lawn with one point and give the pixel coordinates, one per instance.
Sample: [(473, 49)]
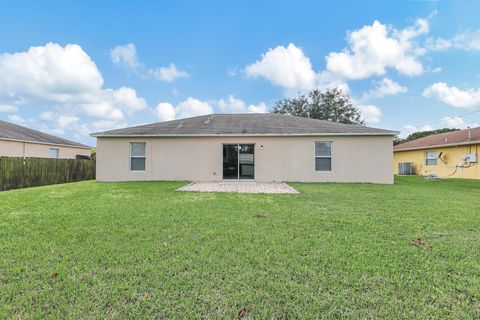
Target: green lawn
[(124, 250)]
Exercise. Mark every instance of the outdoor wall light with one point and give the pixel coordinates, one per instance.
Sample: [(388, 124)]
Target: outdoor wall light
[(261, 147)]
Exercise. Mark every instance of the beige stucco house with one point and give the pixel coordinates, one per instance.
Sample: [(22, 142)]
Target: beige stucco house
[(18, 141), (260, 147)]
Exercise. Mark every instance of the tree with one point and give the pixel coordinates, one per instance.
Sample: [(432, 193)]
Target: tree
[(332, 105), (421, 134)]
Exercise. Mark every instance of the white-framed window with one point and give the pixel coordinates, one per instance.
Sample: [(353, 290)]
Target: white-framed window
[(431, 158), (54, 153), (138, 156), (323, 156)]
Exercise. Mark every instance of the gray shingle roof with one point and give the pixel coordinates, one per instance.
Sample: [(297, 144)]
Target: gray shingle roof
[(243, 124), (10, 131)]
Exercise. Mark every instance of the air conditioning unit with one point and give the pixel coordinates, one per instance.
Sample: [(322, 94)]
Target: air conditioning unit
[(405, 168), (470, 158)]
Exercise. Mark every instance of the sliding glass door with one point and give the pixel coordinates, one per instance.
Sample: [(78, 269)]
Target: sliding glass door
[(246, 165), (230, 161), (238, 161)]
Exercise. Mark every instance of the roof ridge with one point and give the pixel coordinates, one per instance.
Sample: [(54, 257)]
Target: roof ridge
[(245, 124)]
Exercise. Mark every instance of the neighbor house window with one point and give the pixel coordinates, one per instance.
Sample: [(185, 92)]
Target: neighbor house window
[(431, 158), (323, 156), (137, 156), (54, 153)]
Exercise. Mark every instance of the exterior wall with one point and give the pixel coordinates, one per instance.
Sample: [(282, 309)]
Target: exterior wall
[(354, 159), (451, 156), (37, 150)]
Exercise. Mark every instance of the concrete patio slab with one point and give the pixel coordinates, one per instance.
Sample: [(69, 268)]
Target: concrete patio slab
[(240, 187)]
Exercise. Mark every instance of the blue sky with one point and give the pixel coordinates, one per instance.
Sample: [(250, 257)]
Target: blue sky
[(74, 67)]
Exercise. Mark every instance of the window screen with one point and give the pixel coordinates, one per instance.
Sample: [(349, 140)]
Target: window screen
[(137, 156), (323, 156), (431, 158)]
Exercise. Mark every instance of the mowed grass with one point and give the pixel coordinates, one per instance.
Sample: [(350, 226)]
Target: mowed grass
[(143, 250)]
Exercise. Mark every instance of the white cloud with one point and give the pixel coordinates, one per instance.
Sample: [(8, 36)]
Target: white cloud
[(61, 124), (438, 44), (125, 56), (63, 121), (127, 99), (426, 127), (371, 50), (113, 104), (453, 96), (192, 107), (47, 115), (457, 122), (259, 108), (289, 68), (437, 70), (65, 75), (385, 87), (103, 110), (51, 72), (328, 80), (286, 67), (16, 119), (453, 121), (374, 48), (8, 108), (165, 111), (468, 40), (409, 129), (56, 123), (234, 105), (168, 74), (370, 113), (231, 105)]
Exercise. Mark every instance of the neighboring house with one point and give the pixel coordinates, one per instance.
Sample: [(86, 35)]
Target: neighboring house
[(18, 141), (261, 147), (451, 154)]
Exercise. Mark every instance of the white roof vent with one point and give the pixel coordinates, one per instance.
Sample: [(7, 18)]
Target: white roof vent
[(206, 122)]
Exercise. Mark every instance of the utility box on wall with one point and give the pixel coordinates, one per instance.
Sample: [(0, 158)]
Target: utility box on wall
[(470, 158)]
